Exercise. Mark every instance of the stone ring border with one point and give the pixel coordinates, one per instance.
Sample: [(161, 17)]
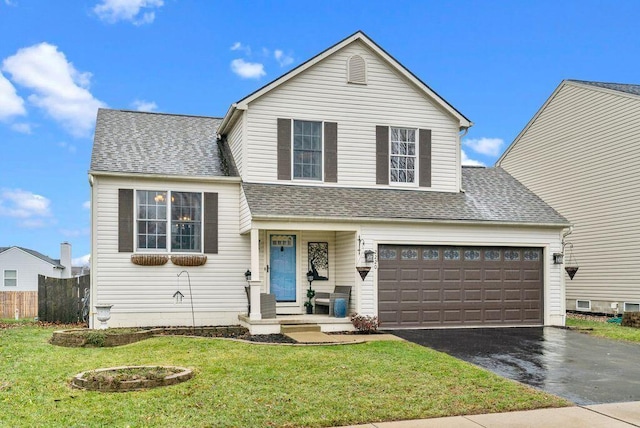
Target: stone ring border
[(80, 382)]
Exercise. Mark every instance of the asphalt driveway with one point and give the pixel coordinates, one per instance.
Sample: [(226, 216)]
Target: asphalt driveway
[(576, 366)]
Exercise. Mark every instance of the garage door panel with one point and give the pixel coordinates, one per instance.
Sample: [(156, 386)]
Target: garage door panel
[(492, 274), (409, 274), (451, 274), (512, 275), (448, 286)]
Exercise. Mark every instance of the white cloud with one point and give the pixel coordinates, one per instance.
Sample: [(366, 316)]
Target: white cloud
[(112, 11), (86, 205), (142, 105), (247, 70), (470, 162), (485, 146), (282, 59), (30, 208), (69, 147), (81, 261), (23, 128), (10, 103), (74, 233), (237, 46), (58, 88)]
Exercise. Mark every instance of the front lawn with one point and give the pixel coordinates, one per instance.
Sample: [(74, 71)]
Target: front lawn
[(239, 384), (598, 326)]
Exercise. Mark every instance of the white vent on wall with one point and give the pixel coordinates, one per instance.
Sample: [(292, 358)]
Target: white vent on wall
[(357, 70), (583, 305), (631, 307)]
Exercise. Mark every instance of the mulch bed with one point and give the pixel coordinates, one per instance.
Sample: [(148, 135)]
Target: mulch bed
[(268, 338)]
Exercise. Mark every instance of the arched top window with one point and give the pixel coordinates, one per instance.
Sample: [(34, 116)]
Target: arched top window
[(357, 70)]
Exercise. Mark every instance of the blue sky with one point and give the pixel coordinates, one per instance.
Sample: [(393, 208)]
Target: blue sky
[(495, 61)]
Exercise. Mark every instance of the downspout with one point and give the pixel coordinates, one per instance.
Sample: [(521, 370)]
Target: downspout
[(465, 131), (92, 262)]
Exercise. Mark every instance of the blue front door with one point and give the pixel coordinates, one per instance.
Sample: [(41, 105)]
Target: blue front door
[(282, 272)]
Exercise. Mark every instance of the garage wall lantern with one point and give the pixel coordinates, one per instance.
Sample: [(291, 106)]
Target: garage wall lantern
[(369, 256), (558, 258)]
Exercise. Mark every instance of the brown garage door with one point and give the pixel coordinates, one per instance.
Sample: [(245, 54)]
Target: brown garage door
[(422, 286)]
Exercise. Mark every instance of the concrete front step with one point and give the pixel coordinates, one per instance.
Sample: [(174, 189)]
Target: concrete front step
[(299, 328)]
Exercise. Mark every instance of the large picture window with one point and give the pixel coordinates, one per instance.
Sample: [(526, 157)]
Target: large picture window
[(307, 150), (403, 155), (181, 231)]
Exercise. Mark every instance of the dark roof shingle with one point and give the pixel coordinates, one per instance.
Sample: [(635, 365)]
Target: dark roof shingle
[(491, 195), (155, 143), (54, 262), (621, 87)]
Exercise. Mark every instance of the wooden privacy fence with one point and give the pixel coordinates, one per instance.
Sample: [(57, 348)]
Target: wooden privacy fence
[(60, 300), (21, 304)]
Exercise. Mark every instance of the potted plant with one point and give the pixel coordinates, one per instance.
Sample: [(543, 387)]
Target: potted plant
[(310, 294)]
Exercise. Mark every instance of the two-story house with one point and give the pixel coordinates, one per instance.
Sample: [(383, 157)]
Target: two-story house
[(349, 158)]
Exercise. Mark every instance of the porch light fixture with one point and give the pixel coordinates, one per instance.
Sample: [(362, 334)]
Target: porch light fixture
[(310, 277), (558, 258), (369, 256), (247, 275)]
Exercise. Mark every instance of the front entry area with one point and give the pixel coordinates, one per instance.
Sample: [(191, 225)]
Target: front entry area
[(436, 286), (282, 263)]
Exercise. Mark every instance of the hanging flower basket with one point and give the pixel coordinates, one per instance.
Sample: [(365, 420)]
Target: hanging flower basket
[(149, 259), (193, 260), (571, 271), (363, 270)]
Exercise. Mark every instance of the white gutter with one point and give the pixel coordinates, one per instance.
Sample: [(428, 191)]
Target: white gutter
[(403, 220), (164, 177)]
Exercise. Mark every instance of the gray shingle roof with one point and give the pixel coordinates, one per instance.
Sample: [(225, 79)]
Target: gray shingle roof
[(622, 87), (54, 262), (491, 195), (155, 143)]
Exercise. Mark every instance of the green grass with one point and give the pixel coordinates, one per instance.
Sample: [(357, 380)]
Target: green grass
[(248, 385), (604, 329)]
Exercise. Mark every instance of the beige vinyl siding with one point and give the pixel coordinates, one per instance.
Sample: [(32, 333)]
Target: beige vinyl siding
[(345, 262), (236, 143), (321, 93), (581, 155), (143, 295), (316, 236), (28, 267), (376, 234), (245, 213)]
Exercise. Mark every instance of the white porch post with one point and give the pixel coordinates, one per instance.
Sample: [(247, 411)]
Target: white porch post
[(255, 283)]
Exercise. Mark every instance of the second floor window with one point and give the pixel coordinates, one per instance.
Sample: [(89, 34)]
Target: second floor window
[(169, 221), (307, 150), (402, 155)]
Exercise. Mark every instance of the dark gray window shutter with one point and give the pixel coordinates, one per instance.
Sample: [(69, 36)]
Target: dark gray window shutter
[(425, 158), (284, 149), (330, 152), (125, 220), (210, 225), (382, 155)]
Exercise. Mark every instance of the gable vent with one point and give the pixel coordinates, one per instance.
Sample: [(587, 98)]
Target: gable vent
[(357, 70)]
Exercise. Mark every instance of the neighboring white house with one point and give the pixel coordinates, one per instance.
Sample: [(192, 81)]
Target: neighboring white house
[(349, 153), (581, 154), (20, 267)]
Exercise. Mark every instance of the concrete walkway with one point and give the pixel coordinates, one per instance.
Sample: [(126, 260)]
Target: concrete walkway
[(611, 415), (316, 337)]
